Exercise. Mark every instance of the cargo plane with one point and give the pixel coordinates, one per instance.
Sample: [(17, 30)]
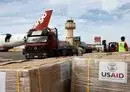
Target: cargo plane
[(8, 41)]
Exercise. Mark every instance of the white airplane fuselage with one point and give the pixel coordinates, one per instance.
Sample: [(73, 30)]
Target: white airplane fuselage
[(13, 41)]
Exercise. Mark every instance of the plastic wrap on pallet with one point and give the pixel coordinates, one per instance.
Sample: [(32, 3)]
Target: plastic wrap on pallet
[(96, 55), (100, 75), (36, 76)]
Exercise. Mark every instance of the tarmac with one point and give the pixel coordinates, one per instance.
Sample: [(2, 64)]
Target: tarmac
[(15, 55), (12, 55)]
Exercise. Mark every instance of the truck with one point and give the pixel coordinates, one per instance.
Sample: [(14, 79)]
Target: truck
[(86, 47), (45, 43)]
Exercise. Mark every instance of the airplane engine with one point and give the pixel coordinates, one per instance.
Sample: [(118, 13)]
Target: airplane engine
[(7, 38)]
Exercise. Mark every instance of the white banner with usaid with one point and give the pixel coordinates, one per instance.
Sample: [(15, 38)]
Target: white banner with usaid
[(113, 71)]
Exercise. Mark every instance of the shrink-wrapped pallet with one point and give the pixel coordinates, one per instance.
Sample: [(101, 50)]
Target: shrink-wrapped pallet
[(96, 55), (100, 75), (117, 55), (108, 55), (50, 75)]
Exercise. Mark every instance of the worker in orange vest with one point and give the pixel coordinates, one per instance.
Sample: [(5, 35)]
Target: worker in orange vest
[(122, 45)]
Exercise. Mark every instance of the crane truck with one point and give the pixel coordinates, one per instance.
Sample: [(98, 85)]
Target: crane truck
[(45, 43)]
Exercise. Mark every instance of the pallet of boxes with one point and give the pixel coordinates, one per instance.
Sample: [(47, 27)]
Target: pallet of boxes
[(49, 75), (109, 73)]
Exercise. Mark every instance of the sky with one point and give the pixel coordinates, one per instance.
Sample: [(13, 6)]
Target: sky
[(109, 19)]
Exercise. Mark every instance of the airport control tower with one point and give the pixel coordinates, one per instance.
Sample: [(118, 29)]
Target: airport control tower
[(70, 26)]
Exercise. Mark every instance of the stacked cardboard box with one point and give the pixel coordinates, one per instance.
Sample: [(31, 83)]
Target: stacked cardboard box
[(96, 55), (86, 73), (50, 75), (116, 55)]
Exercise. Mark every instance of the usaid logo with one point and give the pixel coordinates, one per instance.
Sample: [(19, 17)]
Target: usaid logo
[(113, 71), (112, 67)]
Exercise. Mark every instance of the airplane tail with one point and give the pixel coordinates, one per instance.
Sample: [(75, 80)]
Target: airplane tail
[(43, 21)]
